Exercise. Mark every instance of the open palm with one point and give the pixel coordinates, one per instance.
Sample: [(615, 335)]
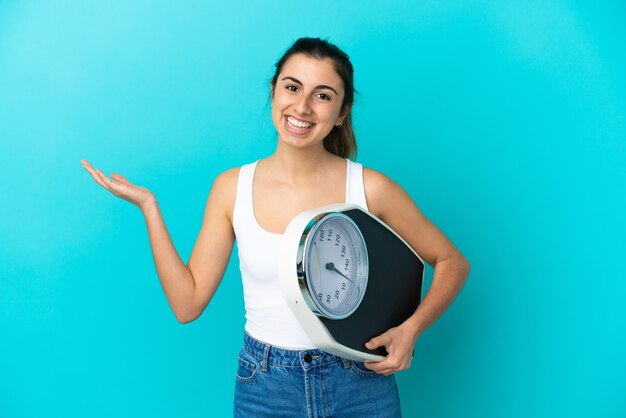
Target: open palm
[(121, 187)]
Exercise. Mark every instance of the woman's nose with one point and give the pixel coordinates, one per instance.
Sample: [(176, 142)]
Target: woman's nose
[(302, 105)]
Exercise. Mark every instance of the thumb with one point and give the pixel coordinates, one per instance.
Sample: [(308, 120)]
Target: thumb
[(376, 342), (121, 179)]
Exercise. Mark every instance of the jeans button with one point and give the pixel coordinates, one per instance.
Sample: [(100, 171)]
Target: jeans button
[(308, 358)]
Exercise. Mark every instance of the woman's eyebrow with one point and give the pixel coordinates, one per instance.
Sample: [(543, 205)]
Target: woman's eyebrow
[(321, 86)]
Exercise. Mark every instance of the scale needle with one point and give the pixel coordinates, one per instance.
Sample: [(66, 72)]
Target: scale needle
[(331, 266)]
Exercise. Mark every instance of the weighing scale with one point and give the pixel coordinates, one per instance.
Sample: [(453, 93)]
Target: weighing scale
[(348, 277)]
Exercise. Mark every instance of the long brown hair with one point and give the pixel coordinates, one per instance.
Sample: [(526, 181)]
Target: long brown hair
[(340, 140)]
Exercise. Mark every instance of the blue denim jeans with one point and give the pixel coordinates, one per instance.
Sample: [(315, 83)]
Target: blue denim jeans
[(274, 382)]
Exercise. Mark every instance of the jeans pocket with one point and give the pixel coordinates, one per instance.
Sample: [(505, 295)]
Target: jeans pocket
[(247, 370), (359, 368)]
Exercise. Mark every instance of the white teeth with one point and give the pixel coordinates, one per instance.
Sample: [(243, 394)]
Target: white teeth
[(298, 124)]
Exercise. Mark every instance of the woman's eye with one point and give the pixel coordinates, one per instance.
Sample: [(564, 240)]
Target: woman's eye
[(324, 96), (289, 87)]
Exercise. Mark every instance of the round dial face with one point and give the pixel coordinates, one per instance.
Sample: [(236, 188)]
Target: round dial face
[(336, 265)]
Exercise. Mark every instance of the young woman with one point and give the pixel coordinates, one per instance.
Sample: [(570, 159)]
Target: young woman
[(280, 372)]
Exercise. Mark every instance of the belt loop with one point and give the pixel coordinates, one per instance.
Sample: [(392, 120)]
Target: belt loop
[(346, 362), (266, 355)]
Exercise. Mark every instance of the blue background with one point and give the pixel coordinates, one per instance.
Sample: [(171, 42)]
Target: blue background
[(504, 121)]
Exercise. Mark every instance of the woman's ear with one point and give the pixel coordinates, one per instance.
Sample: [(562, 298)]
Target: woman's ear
[(346, 110)]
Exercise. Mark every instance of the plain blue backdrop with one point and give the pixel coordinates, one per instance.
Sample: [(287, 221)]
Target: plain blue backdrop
[(504, 121)]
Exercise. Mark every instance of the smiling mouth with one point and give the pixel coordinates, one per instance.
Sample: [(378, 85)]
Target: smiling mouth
[(298, 125)]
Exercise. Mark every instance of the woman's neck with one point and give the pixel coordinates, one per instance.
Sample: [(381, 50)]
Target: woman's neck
[(299, 166)]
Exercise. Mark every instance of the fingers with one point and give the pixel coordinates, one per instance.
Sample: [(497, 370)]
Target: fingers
[(399, 348), (100, 178), (380, 367), (93, 173), (385, 367), (377, 366), (107, 181)]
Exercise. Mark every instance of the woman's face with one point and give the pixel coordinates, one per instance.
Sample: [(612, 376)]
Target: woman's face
[(307, 99)]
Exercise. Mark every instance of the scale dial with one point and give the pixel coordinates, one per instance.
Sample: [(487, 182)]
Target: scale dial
[(335, 263)]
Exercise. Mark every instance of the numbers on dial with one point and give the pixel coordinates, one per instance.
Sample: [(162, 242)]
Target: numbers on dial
[(336, 267), (337, 278)]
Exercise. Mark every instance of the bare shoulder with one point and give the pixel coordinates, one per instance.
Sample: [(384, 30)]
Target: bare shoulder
[(392, 204), (224, 191), (228, 178), (382, 193)]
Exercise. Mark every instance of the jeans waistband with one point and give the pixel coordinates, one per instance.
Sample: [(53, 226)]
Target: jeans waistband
[(269, 354)]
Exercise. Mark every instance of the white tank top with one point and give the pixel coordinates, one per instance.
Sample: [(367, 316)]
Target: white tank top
[(268, 318)]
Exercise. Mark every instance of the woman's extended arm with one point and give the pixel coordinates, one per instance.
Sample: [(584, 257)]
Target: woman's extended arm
[(387, 200), (188, 288)]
